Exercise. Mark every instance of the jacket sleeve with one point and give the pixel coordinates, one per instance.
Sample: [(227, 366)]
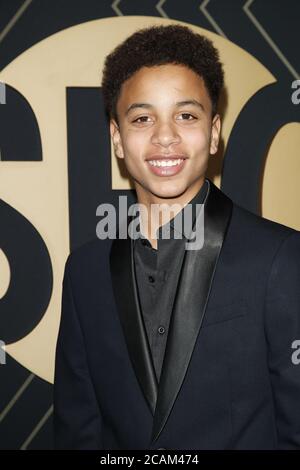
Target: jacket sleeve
[(282, 323), (77, 418)]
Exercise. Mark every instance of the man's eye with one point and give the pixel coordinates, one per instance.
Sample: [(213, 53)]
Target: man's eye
[(141, 119), (188, 115)]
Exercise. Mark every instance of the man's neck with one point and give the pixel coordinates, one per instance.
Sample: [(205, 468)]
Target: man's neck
[(155, 218)]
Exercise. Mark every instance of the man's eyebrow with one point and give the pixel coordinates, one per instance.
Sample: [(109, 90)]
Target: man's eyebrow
[(150, 106), (138, 105), (193, 102)]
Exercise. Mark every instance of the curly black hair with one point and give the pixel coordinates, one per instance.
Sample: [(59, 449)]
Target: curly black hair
[(158, 45)]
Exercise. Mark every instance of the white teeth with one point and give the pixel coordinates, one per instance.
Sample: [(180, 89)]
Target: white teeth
[(165, 162)]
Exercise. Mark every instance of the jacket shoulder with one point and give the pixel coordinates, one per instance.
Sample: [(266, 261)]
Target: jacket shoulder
[(88, 256), (259, 225)]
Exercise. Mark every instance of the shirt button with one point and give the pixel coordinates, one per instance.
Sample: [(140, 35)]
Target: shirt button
[(161, 330), (151, 279)]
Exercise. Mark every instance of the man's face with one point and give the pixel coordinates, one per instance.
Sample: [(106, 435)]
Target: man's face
[(166, 131)]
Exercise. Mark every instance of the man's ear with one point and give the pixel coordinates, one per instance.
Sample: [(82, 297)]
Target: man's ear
[(116, 138), (215, 134)]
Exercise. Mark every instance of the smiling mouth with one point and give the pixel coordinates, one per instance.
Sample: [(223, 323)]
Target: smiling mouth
[(165, 162), (166, 166)]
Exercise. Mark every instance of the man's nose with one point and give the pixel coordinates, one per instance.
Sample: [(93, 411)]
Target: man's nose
[(165, 133)]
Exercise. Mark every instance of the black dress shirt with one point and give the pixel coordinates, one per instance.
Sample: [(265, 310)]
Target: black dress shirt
[(157, 273)]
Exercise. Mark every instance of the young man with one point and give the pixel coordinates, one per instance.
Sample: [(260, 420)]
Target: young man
[(160, 346)]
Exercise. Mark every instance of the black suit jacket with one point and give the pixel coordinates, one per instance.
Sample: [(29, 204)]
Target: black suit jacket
[(228, 380)]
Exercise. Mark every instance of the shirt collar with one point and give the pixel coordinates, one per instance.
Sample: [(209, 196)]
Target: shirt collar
[(176, 224)]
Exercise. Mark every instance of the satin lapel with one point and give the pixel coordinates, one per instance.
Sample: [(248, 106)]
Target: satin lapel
[(192, 296), (126, 295)]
